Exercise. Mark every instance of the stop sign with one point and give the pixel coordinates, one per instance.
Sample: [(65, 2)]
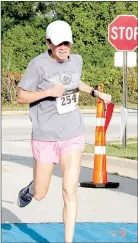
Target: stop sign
[(123, 33)]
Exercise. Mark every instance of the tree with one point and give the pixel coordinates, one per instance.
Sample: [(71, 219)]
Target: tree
[(23, 36), (20, 45)]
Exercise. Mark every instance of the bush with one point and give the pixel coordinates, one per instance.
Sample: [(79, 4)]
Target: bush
[(112, 80), (86, 100), (9, 86)]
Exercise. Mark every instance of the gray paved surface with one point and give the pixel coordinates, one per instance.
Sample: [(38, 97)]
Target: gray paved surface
[(95, 205), (19, 127)]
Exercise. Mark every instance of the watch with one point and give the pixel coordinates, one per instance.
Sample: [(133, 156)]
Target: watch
[(93, 93)]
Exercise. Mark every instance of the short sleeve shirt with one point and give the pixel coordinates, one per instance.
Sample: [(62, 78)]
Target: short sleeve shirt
[(48, 124)]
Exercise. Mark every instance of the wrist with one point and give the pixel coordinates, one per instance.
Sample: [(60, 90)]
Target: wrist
[(47, 93), (94, 92)]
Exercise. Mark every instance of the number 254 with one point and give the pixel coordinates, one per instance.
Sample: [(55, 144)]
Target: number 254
[(67, 99)]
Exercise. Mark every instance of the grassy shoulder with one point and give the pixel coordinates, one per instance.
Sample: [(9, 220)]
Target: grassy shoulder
[(115, 149)]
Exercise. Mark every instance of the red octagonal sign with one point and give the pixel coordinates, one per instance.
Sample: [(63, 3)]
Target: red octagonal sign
[(123, 33)]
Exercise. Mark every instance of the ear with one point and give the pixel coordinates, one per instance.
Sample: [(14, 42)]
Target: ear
[(48, 44)]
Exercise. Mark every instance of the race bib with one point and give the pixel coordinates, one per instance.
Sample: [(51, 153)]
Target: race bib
[(68, 102)]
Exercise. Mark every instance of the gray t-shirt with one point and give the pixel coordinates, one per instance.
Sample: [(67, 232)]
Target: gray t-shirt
[(42, 73)]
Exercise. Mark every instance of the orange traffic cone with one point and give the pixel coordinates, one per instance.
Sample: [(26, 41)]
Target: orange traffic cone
[(100, 174)]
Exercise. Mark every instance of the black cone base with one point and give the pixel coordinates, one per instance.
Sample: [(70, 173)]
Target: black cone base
[(106, 185)]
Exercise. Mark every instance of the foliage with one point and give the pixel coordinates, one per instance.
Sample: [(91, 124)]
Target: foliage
[(23, 37), (9, 86), (21, 44)]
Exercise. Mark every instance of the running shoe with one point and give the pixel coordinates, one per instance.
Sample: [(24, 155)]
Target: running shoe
[(24, 197)]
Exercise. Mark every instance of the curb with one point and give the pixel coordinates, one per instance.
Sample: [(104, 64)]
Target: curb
[(15, 112), (120, 166), (83, 111)]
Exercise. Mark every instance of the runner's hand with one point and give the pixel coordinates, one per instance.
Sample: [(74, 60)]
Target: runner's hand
[(56, 91), (105, 97)]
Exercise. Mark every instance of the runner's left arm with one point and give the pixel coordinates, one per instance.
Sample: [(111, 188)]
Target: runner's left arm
[(87, 89)]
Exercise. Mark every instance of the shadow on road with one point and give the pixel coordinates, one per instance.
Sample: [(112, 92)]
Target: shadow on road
[(127, 185), (8, 216)]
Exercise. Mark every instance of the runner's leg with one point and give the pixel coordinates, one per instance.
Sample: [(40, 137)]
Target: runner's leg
[(70, 165), (39, 186), (42, 177)]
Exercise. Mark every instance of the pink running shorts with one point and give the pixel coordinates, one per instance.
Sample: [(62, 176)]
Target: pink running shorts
[(50, 151)]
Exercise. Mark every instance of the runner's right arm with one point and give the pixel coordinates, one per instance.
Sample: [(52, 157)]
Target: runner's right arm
[(27, 97), (27, 94)]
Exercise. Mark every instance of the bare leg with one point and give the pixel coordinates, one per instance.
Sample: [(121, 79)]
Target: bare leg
[(70, 164), (42, 176)]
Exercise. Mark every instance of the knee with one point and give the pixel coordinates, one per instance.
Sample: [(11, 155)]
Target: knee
[(39, 196), (69, 195)]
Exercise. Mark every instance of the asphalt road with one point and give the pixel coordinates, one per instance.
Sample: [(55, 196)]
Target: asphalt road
[(18, 127), (102, 205)]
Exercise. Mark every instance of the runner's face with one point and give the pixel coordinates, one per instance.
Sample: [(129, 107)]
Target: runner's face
[(61, 51)]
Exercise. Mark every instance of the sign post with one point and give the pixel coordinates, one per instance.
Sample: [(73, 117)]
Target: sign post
[(123, 35), (124, 139)]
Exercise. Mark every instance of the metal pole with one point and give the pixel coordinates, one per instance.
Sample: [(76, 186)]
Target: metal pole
[(124, 139)]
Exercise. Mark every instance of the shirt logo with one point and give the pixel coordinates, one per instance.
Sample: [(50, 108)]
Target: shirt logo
[(66, 80)]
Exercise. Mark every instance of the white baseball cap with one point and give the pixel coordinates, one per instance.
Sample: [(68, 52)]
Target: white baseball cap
[(58, 32)]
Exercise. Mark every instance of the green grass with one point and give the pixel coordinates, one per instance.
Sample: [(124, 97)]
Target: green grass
[(115, 149)]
